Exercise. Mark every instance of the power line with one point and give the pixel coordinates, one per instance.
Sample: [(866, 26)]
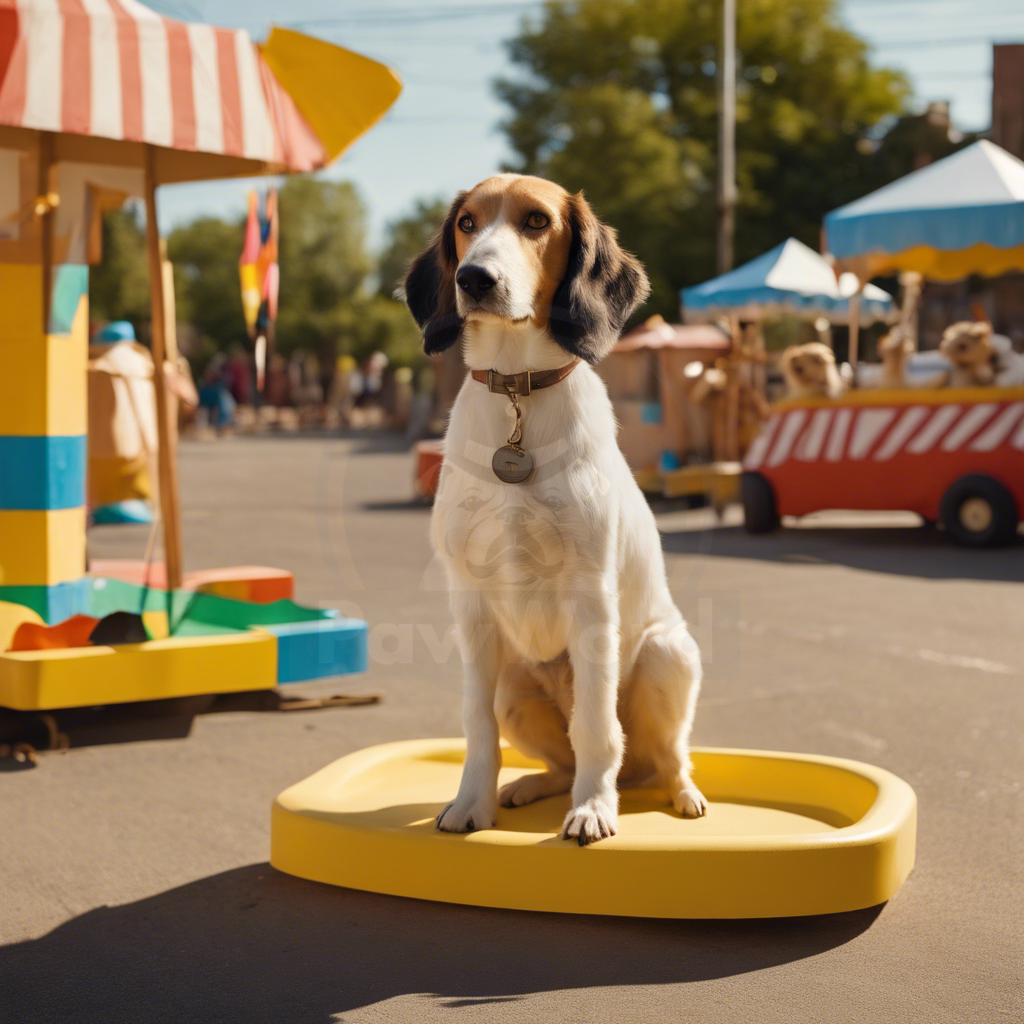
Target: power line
[(407, 15), (942, 42)]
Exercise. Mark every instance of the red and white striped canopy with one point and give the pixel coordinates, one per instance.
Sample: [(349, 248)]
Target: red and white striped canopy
[(115, 69)]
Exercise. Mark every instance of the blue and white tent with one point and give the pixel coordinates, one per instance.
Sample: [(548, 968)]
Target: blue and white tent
[(790, 279), (958, 216)]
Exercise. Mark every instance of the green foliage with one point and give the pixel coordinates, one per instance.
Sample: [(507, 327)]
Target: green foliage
[(619, 99), (207, 293), (407, 237), (324, 265), (119, 286)]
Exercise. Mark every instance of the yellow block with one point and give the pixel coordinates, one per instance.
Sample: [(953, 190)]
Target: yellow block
[(11, 617), (42, 377), (176, 667), (340, 93), (785, 835), (39, 547)]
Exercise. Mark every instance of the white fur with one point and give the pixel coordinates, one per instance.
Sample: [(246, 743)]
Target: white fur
[(563, 613)]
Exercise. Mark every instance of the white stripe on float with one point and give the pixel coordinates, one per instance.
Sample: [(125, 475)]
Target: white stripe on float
[(934, 429), (756, 452), (257, 137), (993, 436), (869, 426), (206, 88), (810, 444), (907, 424), (837, 442), (44, 40), (972, 419), (1018, 438), (787, 435), (155, 65), (104, 71)]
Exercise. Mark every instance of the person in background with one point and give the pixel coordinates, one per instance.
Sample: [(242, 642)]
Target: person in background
[(238, 375), (215, 396)]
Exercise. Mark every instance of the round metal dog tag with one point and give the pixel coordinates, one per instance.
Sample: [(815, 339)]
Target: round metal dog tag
[(511, 464)]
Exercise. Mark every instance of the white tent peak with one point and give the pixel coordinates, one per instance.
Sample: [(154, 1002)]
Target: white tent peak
[(981, 174)]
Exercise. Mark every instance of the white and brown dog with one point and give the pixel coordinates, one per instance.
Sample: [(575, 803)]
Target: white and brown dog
[(572, 646)]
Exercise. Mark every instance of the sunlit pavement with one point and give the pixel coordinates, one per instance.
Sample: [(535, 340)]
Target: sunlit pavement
[(134, 876)]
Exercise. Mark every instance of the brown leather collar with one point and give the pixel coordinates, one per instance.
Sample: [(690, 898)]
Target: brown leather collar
[(523, 383)]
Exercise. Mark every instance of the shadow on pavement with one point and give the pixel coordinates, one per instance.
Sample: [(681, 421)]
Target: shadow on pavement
[(254, 945), (911, 551)]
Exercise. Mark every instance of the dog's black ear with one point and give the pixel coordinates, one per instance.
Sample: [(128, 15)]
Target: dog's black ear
[(602, 286), (430, 287)]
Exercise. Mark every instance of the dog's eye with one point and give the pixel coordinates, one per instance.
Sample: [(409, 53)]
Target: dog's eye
[(471, 504), (466, 223), (538, 221)]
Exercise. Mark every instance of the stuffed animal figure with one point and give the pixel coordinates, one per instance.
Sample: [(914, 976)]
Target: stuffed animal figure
[(810, 371), (894, 350), (968, 347)]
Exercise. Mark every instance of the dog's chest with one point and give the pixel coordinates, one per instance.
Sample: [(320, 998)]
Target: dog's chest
[(507, 536)]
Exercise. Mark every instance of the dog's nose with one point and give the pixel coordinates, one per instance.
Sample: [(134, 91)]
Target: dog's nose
[(475, 281)]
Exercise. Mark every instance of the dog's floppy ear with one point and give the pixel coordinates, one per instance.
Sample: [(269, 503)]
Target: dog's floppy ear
[(430, 287), (602, 286)]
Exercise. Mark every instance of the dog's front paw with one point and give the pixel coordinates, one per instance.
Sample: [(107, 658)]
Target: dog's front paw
[(467, 816), (591, 820), (690, 802)]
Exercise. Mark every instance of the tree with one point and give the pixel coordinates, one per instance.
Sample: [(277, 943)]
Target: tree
[(324, 264), (408, 237), (119, 286), (619, 100), (205, 257)]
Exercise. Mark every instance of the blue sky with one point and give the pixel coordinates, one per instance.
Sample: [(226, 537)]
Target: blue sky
[(442, 133)]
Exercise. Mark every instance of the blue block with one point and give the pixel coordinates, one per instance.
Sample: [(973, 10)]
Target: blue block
[(54, 603), (42, 473), (132, 510), (313, 650), (70, 284)]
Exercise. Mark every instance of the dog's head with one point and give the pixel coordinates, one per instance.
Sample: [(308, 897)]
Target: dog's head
[(810, 370), (521, 250), (968, 344)]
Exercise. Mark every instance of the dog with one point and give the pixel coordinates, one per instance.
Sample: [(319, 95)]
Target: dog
[(979, 358), (572, 647), (810, 371)]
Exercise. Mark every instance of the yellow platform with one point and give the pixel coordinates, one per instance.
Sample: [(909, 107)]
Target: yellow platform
[(785, 835), (175, 667)]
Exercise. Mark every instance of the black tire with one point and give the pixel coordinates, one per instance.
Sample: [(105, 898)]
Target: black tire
[(759, 510), (979, 512)]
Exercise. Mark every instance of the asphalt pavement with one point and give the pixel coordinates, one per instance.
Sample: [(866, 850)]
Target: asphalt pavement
[(133, 868)]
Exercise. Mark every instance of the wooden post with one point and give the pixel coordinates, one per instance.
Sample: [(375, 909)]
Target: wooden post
[(167, 464), (732, 393), (854, 345), (727, 137), (44, 210)]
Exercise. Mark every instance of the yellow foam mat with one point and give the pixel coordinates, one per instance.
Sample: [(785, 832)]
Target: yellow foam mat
[(785, 835), (175, 667)]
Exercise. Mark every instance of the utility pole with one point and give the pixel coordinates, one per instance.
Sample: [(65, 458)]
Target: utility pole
[(727, 137)]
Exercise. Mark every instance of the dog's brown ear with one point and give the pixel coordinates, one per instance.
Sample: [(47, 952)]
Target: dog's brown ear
[(430, 287), (602, 286)]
